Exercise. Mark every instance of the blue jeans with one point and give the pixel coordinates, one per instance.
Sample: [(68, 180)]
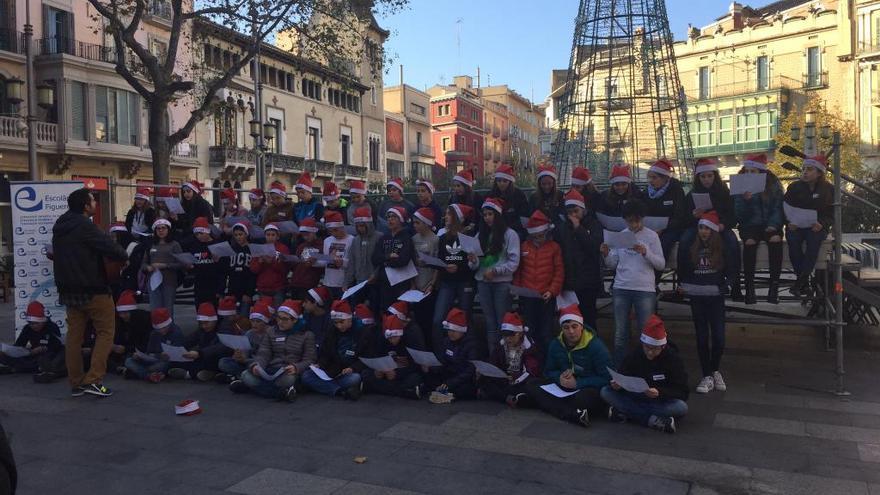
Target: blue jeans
[(331, 388), (447, 293), (803, 258), (707, 313), (231, 367), (495, 301), (643, 303), (163, 296), (540, 317), (640, 408), (142, 370), (269, 388)]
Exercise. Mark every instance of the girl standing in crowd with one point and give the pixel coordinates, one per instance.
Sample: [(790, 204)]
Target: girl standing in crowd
[(162, 211), (455, 282), (307, 272), (271, 271), (360, 266), (425, 242), (280, 209), (547, 198), (394, 250), (140, 217), (516, 205), (425, 197), (580, 238), (709, 182), (582, 182), (160, 257), (257, 203), (357, 198), (194, 205), (308, 205), (540, 269), (621, 192), (241, 281), (463, 194), (337, 246), (209, 280), (232, 211), (395, 199), (760, 219), (811, 192), (701, 268), (634, 269), (665, 198), (500, 245)]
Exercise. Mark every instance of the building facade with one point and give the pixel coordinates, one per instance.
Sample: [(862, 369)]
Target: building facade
[(866, 22), (496, 130), (457, 127), (524, 124), (408, 133)]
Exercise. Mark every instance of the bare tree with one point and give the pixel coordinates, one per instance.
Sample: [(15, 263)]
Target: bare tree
[(162, 79)]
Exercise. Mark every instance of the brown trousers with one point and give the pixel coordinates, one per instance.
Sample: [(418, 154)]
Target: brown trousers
[(102, 312)]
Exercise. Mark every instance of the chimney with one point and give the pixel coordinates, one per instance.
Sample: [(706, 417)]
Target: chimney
[(736, 15)]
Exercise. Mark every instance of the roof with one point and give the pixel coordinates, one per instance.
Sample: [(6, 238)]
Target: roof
[(777, 6), (364, 10)]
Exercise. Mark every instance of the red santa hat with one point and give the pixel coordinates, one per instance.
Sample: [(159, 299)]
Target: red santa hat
[(206, 312), (755, 160), (228, 306), (308, 224), (228, 195), (357, 187), (143, 193), (428, 184), (333, 220), (340, 310), (269, 301), (256, 193), (466, 177), (456, 320), (400, 309), (571, 313), (320, 295), (710, 219), (706, 165), (243, 225), (363, 313), (620, 173), (127, 301), (271, 226), (496, 204), (160, 222), (35, 312), (330, 192), (818, 162), (426, 216), (292, 307), (396, 183), (462, 211), (201, 226), (118, 227), (194, 185), (512, 323), (580, 176), (574, 198), (547, 170), (393, 326), (363, 215), (261, 312), (160, 318), (188, 407), (538, 223), (505, 172), (662, 167), (277, 187), (165, 192), (304, 182), (654, 332), (397, 211)]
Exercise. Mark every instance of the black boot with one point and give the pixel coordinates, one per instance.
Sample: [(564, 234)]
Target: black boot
[(750, 292), (773, 292), (750, 254), (774, 251), (800, 285), (736, 291)]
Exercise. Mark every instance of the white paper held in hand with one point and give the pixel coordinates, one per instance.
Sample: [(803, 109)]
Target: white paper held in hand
[(614, 224), (175, 353), (185, 258), (237, 342), (620, 240), (424, 358), (489, 369), (320, 373), (14, 351), (656, 223), (155, 279), (398, 275), (524, 292), (384, 363), (266, 376), (353, 289), (431, 260), (412, 296), (634, 384), (262, 250), (554, 390), (800, 217), (174, 206), (221, 249), (743, 183), (702, 201), (566, 298), (470, 245)]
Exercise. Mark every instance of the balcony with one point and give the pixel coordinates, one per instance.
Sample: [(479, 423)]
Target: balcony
[(11, 41), (817, 80), (504, 135), (13, 130), (89, 51), (161, 10), (186, 151), (868, 49), (320, 168), (742, 89), (496, 132), (346, 172), (227, 156), (420, 149), (285, 163)]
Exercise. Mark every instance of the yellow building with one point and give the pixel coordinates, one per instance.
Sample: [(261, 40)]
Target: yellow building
[(867, 89), (524, 123), (496, 136), (408, 132)]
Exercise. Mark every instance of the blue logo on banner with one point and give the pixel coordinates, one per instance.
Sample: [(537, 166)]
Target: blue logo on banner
[(35, 283), (22, 272), (21, 251), (43, 229), (33, 262), (45, 271), (25, 199), (22, 294), (31, 241), (19, 230)]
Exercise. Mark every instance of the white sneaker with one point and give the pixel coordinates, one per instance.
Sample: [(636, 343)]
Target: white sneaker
[(719, 381), (706, 385)]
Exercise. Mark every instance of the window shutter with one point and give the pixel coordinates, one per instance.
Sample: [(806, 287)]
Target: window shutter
[(77, 110)]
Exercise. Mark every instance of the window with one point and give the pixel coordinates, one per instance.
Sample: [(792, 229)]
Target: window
[(159, 49), (611, 87), (475, 115), (814, 67), (57, 31), (418, 142), (224, 126), (314, 143), (754, 127), (725, 130), (444, 144), (704, 83), (345, 145), (77, 110), (373, 96), (311, 89), (373, 153), (443, 110), (762, 68), (475, 148), (276, 143), (702, 133), (417, 109), (6, 107), (117, 116)]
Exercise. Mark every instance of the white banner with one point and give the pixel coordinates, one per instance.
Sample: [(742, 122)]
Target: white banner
[(35, 207)]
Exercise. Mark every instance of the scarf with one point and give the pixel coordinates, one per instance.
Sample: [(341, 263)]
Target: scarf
[(657, 193)]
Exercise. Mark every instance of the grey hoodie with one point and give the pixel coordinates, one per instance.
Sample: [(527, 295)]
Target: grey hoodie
[(360, 267)]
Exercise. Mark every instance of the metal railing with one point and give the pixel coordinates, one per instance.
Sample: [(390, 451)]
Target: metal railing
[(422, 149), (742, 88), (185, 150), (89, 51), (320, 167), (160, 9), (350, 172), (11, 41), (221, 156), (288, 163), (815, 80)]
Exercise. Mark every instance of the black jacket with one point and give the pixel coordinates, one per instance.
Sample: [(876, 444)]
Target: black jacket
[(665, 372), (672, 205), (197, 207), (149, 218), (611, 204), (341, 350), (50, 338), (78, 249), (516, 207), (208, 345), (241, 281), (135, 333), (821, 199), (400, 244), (580, 254), (722, 204), (208, 273), (456, 358)]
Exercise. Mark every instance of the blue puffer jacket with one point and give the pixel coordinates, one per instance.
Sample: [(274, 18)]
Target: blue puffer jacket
[(763, 210)]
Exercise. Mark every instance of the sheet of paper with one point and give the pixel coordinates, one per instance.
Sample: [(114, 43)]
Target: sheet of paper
[(614, 224), (175, 353), (489, 369), (320, 257), (470, 245), (266, 376), (384, 363), (702, 201), (174, 206), (14, 351), (521, 378), (620, 240), (431, 260), (566, 298), (398, 275), (554, 390), (291, 258), (412, 296), (261, 250), (221, 249), (634, 384), (144, 357), (524, 292), (155, 279), (743, 183), (287, 227), (186, 258), (424, 358), (656, 223), (320, 373), (801, 217), (238, 342), (353, 289)]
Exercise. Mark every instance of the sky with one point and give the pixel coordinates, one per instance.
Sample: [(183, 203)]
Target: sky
[(514, 42)]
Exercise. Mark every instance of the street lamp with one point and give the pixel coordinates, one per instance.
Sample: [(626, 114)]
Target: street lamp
[(255, 128), (14, 92), (45, 95)]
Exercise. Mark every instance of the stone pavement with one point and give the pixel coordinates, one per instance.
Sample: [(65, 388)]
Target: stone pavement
[(776, 431)]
